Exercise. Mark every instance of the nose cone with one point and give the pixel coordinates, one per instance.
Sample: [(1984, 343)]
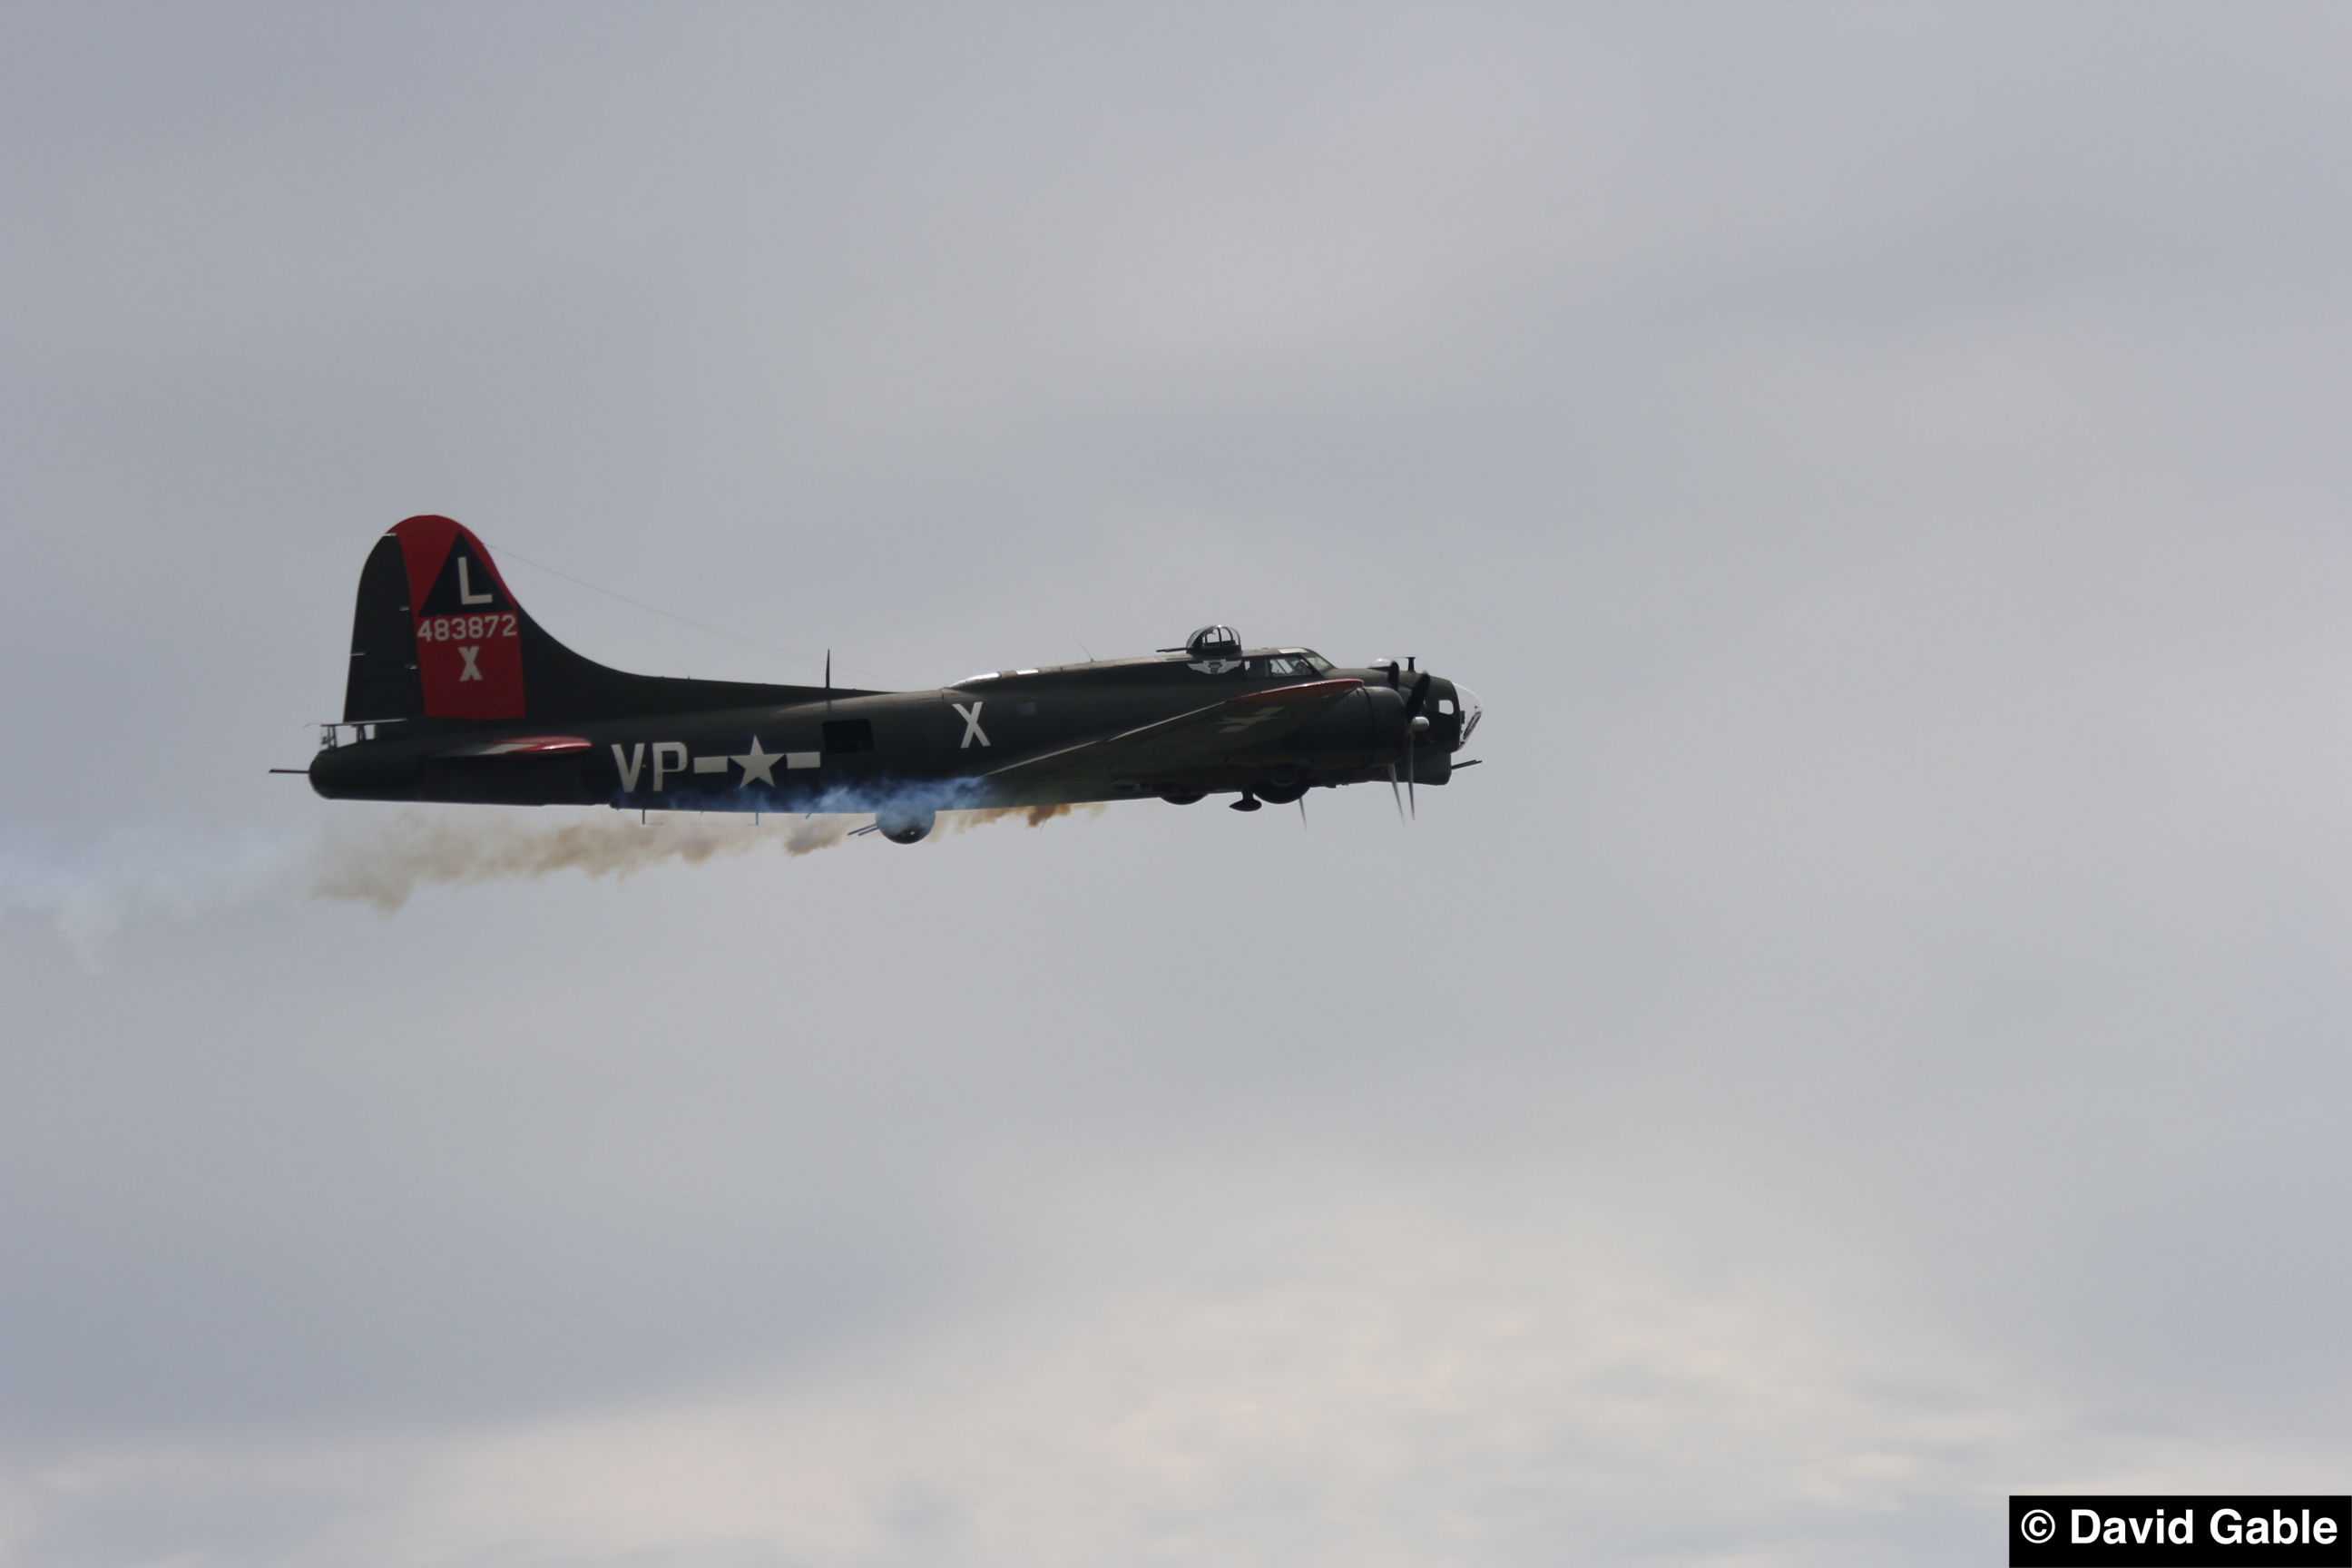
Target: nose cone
[(1447, 717)]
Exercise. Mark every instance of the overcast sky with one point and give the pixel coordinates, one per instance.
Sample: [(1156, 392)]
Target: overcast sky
[(1871, 1039)]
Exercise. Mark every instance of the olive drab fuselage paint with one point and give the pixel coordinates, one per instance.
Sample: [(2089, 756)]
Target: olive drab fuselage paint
[(455, 694)]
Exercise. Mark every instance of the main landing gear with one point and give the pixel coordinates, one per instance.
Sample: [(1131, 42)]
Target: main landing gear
[(1252, 799)]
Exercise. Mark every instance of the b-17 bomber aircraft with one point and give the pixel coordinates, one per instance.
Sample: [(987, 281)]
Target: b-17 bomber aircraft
[(456, 694)]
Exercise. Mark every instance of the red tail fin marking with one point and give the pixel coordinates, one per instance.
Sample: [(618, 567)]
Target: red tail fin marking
[(467, 624)]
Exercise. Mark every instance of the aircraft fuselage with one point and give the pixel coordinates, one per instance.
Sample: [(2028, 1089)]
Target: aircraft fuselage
[(454, 692), (958, 744)]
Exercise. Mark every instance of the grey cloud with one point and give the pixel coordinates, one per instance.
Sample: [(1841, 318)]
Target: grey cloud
[(1868, 1040)]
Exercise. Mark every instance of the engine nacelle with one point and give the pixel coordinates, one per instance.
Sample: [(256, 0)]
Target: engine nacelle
[(906, 824)]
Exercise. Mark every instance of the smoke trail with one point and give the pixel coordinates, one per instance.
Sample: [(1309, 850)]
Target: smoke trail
[(1035, 816), (384, 863), (182, 874), (153, 869)]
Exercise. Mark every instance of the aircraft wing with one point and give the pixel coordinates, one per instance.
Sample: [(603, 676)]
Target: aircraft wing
[(1172, 747)]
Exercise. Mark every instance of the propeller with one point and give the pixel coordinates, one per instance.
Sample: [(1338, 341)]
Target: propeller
[(1415, 700)]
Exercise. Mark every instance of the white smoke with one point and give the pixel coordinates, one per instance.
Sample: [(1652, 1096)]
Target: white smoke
[(149, 871), (158, 872)]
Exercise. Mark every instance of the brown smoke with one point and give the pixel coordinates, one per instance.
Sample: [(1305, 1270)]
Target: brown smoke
[(1035, 816), (385, 863)]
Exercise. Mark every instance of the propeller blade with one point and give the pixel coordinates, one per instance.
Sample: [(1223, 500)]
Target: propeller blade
[(1413, 699)]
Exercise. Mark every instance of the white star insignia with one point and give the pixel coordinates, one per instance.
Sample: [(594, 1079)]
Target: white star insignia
[(759, 765)]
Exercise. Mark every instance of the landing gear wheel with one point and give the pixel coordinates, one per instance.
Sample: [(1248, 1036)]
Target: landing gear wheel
[(1282, 794), (1192, 798)]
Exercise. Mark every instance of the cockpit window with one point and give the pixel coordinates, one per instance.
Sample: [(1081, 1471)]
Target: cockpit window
[(1299, 666)]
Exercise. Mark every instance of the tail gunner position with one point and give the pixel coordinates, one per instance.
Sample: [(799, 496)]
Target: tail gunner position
[(456, 694)]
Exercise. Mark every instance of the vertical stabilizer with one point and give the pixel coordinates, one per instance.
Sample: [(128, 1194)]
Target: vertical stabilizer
[(435, 635), (384, 683), (438, 635)]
